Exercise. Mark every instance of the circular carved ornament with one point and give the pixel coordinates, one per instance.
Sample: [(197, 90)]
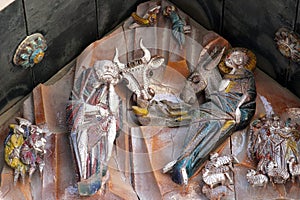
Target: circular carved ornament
[(31, 51)]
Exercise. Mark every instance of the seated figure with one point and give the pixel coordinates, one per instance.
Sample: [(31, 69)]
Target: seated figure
[(228, 108)]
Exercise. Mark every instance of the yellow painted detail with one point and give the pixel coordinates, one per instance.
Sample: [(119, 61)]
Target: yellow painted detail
[(230, 85), (15, 142), (227, 124), (182, 118), (12, 126), (177, 113), (139, 19), (38, 57), (140, 111)]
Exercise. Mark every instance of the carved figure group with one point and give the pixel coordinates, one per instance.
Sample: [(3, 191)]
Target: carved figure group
[(273, 145), (94, 112), (179, 25), (226, 80), (94, 115), (24, 149), (216, 174)]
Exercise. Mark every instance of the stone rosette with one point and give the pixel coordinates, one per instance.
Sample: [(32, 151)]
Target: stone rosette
[(31, 51)]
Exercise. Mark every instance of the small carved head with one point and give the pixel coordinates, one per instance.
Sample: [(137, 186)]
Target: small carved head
[(194, 84), (236, 59), (23, 122), (167, 11), (250, 172), (18, 130)]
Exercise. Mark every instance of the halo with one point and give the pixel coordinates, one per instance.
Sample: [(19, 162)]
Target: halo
[(250, 64)]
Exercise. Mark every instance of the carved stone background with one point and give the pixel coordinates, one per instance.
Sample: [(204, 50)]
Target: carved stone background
[(59, 179), (70, 25)]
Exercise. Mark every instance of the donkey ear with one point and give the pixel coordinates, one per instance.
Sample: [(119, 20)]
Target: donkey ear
[(156, 62)]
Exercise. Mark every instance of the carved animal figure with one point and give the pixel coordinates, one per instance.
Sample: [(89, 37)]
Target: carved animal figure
[(277, 175), (294, 168), (256, 179), (223, 160), (221, 169), (138, 72), (215, 193), (213, 179)]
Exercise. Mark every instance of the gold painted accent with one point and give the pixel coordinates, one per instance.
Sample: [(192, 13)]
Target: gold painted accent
[(12, 126), (140, 111), (230, 85), (227, 124), (178, 113), (39, 57), (139, 19), (15, 141), (183, 118)]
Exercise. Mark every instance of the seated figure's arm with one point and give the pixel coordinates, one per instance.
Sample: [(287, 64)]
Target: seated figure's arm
[(237, 110)]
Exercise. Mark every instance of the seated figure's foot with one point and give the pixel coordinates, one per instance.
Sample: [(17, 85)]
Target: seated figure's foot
[(178, 171)]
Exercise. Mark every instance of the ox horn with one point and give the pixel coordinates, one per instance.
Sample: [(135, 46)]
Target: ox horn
[(117, 61), (147, 54)]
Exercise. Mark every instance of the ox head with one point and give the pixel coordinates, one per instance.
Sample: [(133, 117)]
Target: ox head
[(151, 62), (138, 72)]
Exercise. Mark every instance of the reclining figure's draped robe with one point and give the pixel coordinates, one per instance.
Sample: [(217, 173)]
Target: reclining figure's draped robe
[(215, 121)]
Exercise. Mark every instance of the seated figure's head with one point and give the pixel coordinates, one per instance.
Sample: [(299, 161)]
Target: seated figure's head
[(236, 59), (107, 71)]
